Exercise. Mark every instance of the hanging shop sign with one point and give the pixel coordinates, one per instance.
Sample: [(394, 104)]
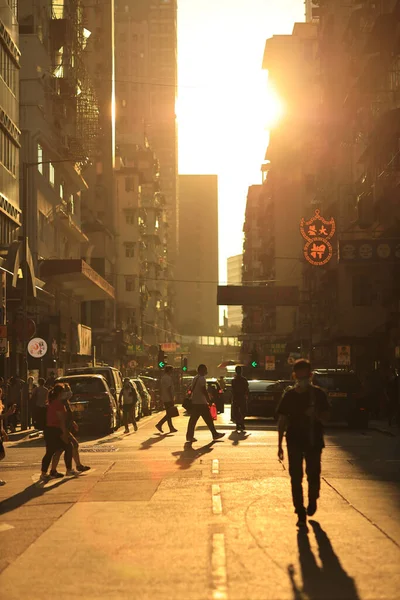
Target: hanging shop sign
[(270, 363), (37, 347), (368, 251), (317, 232), (343, 356)]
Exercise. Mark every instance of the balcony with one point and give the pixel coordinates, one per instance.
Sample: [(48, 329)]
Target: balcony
[(78, 278)]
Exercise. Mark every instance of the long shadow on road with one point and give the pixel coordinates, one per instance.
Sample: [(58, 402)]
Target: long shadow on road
[(154, 439), (188, 455), (35, 490), (328, 582), (238, 437)]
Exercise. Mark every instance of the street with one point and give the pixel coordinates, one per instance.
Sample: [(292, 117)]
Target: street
[(156, 519)]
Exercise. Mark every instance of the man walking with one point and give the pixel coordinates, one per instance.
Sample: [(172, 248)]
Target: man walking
[(167, 397), (200, 406), (301, 412), (240, 393)]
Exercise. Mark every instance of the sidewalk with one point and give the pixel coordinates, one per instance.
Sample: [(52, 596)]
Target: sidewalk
[(382, 426)]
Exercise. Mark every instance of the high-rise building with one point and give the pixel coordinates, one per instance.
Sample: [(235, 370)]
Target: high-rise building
[(146, 87), (10, 213), (273, 246), (59, 119), (197, 262), (234, 270)]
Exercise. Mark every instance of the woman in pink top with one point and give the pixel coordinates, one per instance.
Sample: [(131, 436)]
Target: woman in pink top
[(56, 433)]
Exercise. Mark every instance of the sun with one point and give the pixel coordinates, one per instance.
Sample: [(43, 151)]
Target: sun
[(274, 107)]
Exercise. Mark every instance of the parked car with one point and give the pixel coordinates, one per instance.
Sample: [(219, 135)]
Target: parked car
[(346, 396), (153, 388), (111, 375), (93, 405), (144, 396), (263, 398)]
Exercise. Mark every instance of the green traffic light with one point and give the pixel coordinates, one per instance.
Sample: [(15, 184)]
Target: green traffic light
[(254, 364), (161, 364), (184, 369)]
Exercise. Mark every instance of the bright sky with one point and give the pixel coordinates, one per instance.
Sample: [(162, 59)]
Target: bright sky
[(223, 106)]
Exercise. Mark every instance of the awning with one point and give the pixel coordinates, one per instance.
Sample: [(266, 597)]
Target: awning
[(77, 277)]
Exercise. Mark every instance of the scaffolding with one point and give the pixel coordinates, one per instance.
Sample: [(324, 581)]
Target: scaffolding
[(76, 105)]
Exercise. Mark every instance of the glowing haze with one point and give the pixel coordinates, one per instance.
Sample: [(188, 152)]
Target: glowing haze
[(225, 106)]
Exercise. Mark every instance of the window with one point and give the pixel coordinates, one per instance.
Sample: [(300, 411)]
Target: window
[(129, 283), (129, 184), (40, 158), (362, 291), (129, 249), (41, 225), (8, 69), (52, 174), (71, 204), (8, 153), (130, 218)]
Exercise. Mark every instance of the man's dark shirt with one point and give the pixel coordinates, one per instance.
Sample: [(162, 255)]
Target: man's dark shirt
[(240, 388), (303, 430)]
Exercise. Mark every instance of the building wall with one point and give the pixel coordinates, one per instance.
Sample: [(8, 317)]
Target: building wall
[(196, 302), (146, 41), (10, 214), (234, 270)]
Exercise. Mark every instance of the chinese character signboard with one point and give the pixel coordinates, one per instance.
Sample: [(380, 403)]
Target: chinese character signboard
[(343, 356), (37, 348), (317, 232), (270, 363), (168, 346), (85, 340), (368, 251)]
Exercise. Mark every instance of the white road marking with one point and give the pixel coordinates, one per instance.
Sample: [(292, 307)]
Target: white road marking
[(6, 527), (215, 466), (218, 567), (216, 500)]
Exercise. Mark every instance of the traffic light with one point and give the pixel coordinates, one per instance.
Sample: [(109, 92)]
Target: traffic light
[(185, 365), (254, 359), (162, 359)]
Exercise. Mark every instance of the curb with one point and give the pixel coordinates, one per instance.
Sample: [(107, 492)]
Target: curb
[(27, 433), (383, 430)]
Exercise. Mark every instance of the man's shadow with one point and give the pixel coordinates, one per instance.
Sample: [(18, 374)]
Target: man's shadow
[(188, 455), (238, 436), (147, 444), (328, 582)]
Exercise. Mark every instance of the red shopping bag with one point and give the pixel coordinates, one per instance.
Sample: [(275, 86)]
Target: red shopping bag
[(213, 411)]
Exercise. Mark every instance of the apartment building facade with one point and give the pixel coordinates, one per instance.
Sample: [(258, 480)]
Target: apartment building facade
[(273, 247), (60, 126)]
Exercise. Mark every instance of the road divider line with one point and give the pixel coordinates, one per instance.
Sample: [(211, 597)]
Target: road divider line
[(215, 466), (218, 568), (216, 500)]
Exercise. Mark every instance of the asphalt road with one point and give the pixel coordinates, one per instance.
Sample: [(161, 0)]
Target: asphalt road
[(154, 519)]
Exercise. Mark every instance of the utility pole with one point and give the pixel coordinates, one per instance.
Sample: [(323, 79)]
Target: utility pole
[(24, 397)]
